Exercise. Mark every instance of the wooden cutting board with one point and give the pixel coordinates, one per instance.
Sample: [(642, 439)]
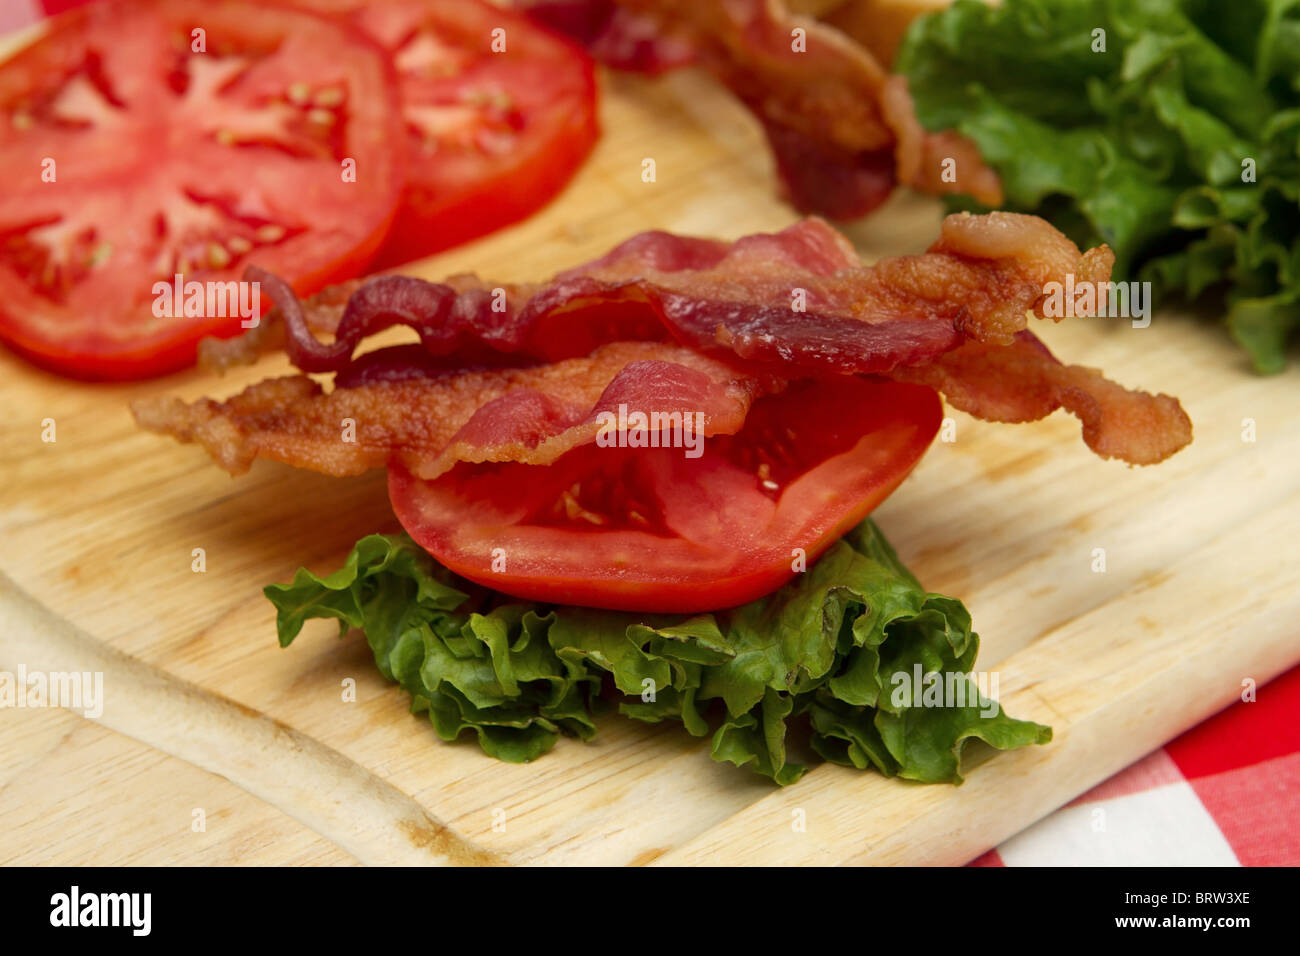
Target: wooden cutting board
[(215, 746)]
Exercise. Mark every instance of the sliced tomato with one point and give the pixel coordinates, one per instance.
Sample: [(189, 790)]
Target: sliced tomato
[(650, 529), (142, 140), (500, 113)]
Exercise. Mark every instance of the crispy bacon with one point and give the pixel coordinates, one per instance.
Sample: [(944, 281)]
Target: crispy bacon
[(842, 130), (1024, 382), (320, 314), (403, 411), (617, 36), (795, 301), (523, 367)]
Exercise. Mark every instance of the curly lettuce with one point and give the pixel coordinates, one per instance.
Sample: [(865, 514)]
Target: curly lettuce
[(836, 651), (1169, 129)]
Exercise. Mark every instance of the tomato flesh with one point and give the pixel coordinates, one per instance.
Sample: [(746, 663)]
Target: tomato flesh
[(181, 136), (499, 114), (650, 529)]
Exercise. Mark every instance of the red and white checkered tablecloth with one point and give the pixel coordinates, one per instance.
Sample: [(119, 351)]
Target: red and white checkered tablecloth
[(1225, 793)]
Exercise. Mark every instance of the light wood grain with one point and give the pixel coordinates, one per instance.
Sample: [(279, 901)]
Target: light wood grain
[(73, 787), (1201, 590), (356, 810)]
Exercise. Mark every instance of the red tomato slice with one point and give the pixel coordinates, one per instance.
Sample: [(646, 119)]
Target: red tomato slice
[(650, 529), (166, 159), (499, 111)]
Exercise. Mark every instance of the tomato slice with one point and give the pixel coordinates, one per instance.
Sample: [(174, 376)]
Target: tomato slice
[(499, 112), (146, 139), (650, 529)]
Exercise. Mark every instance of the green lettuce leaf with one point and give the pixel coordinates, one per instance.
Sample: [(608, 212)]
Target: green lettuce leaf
[(1143, 145), (840, 652)]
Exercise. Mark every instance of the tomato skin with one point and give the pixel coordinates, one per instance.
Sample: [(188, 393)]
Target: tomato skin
[(428, 222), (718, 540), (455, 191), (146, 160), (148, 358)]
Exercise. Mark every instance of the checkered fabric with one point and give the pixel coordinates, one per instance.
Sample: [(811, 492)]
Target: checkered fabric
[(1226, 793)]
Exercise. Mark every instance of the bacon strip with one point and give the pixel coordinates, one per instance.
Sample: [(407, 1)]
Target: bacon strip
[(952, 319), (321, 313), (1024, 382), (393, 408), (842, 130), (798, 300)]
